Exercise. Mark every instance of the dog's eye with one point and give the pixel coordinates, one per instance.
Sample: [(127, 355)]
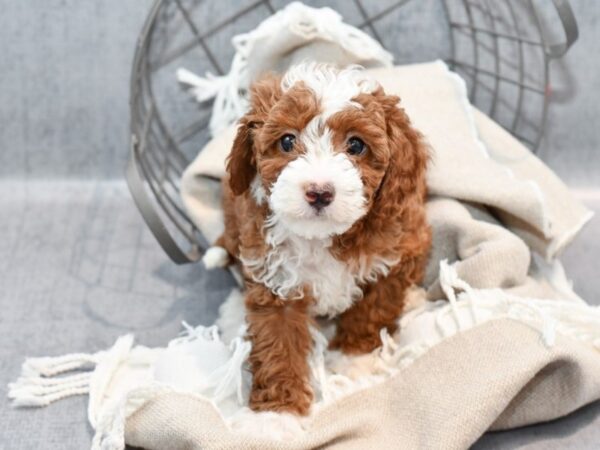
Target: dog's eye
[(356, 146), (287, 142)]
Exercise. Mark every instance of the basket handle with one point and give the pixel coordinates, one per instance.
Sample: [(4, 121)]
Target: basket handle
[(569, 24), (152, 219)]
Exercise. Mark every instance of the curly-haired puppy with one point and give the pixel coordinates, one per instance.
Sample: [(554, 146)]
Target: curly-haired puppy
[(324, 210)]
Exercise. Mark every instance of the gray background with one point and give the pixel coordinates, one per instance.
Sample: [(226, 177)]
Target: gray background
[(77, 265)]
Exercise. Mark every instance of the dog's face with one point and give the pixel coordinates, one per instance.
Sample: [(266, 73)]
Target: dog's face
[(316, 146)]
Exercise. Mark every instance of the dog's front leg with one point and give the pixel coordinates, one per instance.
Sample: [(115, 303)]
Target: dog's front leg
[(281, 344), (358, 328)]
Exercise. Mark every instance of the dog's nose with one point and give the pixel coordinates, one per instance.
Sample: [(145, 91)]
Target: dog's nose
[(319, 196)]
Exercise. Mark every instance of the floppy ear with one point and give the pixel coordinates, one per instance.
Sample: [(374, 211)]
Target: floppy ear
[(409, 154), (241, 163)]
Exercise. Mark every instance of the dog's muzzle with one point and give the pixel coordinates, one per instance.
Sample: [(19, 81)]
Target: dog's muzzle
[(319, 196)]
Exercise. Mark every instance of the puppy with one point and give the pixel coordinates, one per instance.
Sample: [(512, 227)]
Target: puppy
[(324, 210)]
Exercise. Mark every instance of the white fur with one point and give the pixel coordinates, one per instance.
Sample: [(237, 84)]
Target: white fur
[(258, 192), (215, 257), (293, 262), (371, 269), (333, 87), (320, 164)]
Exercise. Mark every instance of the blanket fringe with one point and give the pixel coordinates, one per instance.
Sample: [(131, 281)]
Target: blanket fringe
[(568, 317), (51, 366), (39, 385), (43, 380), (35, 391), (228, 378)]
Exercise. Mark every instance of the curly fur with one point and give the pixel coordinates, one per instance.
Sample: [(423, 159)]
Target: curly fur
[(356, 262)]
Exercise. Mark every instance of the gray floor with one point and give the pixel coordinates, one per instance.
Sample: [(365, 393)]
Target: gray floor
[(79, 268)]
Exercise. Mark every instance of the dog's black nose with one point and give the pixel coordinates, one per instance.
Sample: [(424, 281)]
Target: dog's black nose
[(319, 196)]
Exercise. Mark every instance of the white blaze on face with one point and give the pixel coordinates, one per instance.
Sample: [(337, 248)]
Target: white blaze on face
[(334, 88), (320, 165)]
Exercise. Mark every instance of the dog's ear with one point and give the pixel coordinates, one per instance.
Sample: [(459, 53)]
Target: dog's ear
[(264, 93), (241, 163), (409, 155)]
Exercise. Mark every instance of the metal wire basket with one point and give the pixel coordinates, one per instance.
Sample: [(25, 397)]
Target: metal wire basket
[(501, 48)]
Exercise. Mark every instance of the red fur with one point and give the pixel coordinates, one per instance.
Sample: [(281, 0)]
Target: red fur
[(395, 227)]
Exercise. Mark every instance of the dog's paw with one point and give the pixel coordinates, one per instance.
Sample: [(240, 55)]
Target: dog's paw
[(351, 344), (215, 257), (294, 397)]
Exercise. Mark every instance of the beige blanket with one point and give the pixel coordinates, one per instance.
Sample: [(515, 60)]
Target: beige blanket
[(496, 376)]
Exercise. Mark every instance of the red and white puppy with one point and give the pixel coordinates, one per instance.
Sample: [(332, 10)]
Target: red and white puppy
[(324, 210)]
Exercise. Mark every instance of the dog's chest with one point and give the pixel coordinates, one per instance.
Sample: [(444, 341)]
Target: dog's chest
[(330, 281), (293, 265)]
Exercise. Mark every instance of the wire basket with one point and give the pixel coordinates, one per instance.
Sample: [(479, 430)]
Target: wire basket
[(502, 48)]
